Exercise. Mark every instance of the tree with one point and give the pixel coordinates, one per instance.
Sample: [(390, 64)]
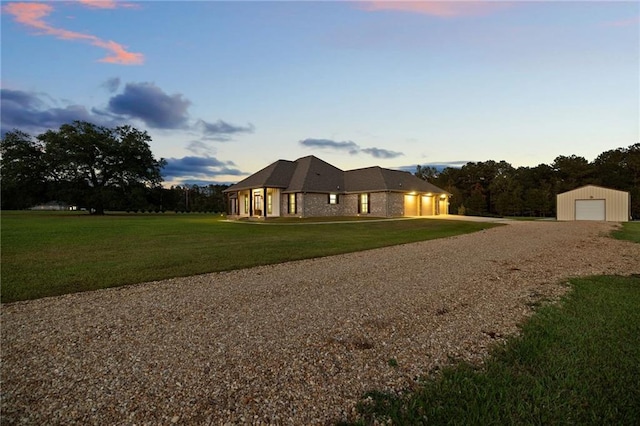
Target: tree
[(93, 164), (572, 172), (22, 171), (428, 173)]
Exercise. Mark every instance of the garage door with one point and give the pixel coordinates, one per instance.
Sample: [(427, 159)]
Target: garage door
[(590, 210), (410, 205)]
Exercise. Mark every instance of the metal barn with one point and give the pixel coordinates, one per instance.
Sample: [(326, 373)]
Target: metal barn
[(593, 202)]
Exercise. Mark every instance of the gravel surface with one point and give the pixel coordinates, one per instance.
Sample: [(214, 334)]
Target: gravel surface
[(294, 343)]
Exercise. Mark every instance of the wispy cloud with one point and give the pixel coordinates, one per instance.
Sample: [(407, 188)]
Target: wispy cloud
[(381, 153), (112, 84), (349, 146), (442, 9), (635, 21), (200, 148), (105, 4), (222, 131), (32, 16)]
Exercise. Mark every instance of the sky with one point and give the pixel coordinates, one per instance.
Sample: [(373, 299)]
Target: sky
[(225, 88)]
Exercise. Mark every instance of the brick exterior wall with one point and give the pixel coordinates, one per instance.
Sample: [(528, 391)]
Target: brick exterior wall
[(396, 204), (382, 204)]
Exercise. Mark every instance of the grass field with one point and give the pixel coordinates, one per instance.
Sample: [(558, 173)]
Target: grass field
[(630, 231), (48, 254), (575, 362)]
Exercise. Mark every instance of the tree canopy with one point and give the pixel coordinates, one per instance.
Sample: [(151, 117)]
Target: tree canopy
[(81, 163), (497, 188)]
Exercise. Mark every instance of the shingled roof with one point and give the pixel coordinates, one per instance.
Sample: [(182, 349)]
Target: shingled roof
[(311, 174), (379, 179)]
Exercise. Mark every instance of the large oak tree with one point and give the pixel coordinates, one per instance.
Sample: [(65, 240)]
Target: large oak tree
[(86, 163)]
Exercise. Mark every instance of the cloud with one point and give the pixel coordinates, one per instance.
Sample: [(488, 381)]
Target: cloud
[(221, 130), (111, 84), (349, 146), (200, 148), (381, 153), (198, 168), (441, 9), (38, 112), (631, 22), (147, 102), (106, 4), (32, 16), (32, 112)]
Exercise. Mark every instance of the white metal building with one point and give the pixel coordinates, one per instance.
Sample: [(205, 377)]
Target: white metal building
[(593, 202)]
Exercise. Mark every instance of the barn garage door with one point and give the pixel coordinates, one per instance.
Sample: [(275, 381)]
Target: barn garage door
[(590, 210)]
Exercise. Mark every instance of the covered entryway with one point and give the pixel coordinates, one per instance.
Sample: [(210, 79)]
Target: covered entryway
[(590, 210)]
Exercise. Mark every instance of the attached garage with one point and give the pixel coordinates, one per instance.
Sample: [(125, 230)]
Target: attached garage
[(593, 202)]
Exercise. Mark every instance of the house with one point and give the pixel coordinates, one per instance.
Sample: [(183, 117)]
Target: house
[(593, 202), (311, 187), (54, 206)]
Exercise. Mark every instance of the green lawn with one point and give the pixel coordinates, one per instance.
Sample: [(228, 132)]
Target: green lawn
[(48, 254), (630, 231)]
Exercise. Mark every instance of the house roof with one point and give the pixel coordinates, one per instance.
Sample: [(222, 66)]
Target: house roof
[(379, 179), (275, 175), (311, 174)]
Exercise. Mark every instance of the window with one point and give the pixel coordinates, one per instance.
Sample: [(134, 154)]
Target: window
[(333, 198), (246, 203), (292, 204), (269, 204), (363, 203)]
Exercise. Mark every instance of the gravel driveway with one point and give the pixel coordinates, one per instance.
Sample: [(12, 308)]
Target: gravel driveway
[(295, 343)]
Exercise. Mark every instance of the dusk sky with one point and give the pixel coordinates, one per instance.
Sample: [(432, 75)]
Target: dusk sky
[(225, 88)]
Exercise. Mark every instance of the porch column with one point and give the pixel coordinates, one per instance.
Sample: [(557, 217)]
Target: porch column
[(264, 202), (251, 202)]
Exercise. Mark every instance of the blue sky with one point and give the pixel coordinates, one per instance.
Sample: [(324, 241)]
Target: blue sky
[(226, 88)]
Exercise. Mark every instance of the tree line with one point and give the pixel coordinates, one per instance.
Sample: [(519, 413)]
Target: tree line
[(95, 168), (100, 168), (498, 188)]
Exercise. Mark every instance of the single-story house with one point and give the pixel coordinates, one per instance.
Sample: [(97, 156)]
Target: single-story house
[(311, 187), (593, 202)]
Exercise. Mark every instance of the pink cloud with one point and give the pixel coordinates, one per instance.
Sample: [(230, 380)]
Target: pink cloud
[(442, 8), (100, 4), (105, 4), (624, 22), (32, 15)]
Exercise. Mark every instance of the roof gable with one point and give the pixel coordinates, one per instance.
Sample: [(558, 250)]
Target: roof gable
[(275, 175), (314, 175)]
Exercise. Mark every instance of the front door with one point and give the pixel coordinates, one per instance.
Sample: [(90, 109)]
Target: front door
[(257, 205)]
